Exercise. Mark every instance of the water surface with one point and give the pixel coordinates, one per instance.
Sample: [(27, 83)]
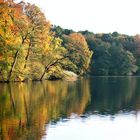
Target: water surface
[(99, 108)]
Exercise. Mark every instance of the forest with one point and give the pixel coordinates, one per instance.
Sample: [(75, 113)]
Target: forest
[(113, 53), (31, 48)]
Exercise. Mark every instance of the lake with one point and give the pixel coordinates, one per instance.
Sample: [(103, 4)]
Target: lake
[(99, 108)]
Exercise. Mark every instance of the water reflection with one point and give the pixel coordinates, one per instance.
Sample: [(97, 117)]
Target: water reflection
[(112, 95), (25, 108)]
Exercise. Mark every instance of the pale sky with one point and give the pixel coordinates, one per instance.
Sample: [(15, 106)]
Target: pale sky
[(94, 15)]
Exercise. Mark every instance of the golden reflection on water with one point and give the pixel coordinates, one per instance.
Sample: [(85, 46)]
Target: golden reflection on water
[(25, 108)]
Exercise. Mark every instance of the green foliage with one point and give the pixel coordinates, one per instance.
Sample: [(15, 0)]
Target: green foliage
[(114, 54), (122, 62), (59, 32)]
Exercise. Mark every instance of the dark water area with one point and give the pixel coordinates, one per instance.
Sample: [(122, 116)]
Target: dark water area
[(99, 108)]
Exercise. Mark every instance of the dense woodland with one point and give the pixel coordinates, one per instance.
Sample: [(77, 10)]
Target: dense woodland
[(32, 49), (113, 53), (29, 49)]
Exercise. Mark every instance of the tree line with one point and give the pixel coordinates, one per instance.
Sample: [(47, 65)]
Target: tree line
[(29, 49), (33, 49), (113, 53)]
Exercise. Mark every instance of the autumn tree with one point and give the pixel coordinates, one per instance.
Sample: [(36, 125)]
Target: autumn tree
[(9, 37), (39, 37), (25, 39), (79, 52)]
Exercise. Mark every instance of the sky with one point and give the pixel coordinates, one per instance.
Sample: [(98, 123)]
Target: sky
[(98, 16)]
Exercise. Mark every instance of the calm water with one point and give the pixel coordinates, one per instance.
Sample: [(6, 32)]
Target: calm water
[(99, 108)]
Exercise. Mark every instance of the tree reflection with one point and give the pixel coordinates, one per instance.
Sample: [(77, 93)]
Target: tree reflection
[(25, 108), (114, 94)]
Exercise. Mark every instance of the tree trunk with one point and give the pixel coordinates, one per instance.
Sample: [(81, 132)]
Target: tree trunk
[(46, 68), (51, 64), (13, 65), (15, 59), (28, 53)]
